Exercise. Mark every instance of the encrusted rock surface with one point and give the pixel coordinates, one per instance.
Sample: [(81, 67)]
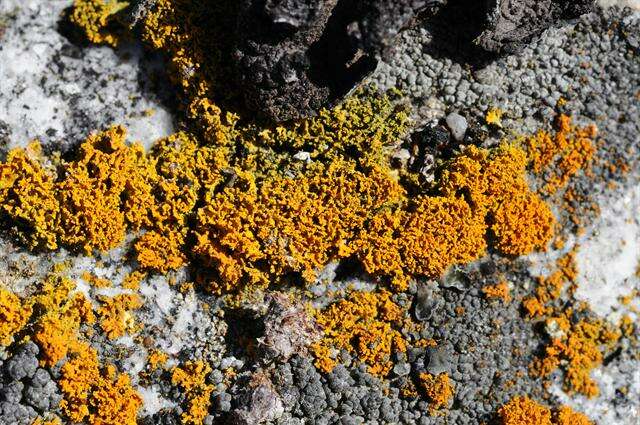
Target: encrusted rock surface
[(53, 89)]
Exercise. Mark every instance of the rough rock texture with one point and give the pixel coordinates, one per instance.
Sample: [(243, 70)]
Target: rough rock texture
[(512, 23), (295, 56), (592, 63), (288, 329), (292, 57)]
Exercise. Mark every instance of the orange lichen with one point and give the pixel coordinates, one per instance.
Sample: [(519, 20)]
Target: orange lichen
[(62, 311), (438, 390), (525, 411), (27, 196), (494, 117), (85, 209), (251, 232), (550, 287), (563, 154), (161, 251), (100, 186), (434, 233), (523, 224), (115, 314), (500, 290), (288, 224), (191, 377), (132, 280), (41, 421), (534, 307), (156, 359), (14, 314), (578, 349), (365, 325), (567, 416), (95, 394), (95, 18), (95, 281), (91, 394)]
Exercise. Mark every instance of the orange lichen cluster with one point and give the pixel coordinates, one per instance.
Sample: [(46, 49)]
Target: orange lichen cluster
[(62, 312), (111, 187), (288, 224), (157, 359), (96, 17), (27, 196), (500, 290), (567, 416), (577, 348), (253, 230), (191, 377), (14, 315), (115, 314), (365, 324), (524, 411), (95, 281), (482, 191), (91, 393), (438, 390), (550, 287), (563, 154), (132, 280), (426, 239), (41, 421), (85, 209), (94, 394)]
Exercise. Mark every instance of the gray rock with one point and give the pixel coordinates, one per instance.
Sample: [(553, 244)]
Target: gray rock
[(437, 360), (458, 125)]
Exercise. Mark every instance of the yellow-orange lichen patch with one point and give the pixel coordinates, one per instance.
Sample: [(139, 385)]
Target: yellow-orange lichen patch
[(115, 314), (132, 280), (365, 324), (41, 421), (434, 234), (494, 117), (161, 251), (62, 311), (289, 224), (522, 410), (95, 394), (494, 183), (157, 359), (567, 416), (523, 224), (500, 290), (563, 154), (437, 389), (577, 348), (107, 176), (550, 287), (191, 377), (14, 314), (95, 281), (27, 196), (95, 18), (91, 394), (88, 207)]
